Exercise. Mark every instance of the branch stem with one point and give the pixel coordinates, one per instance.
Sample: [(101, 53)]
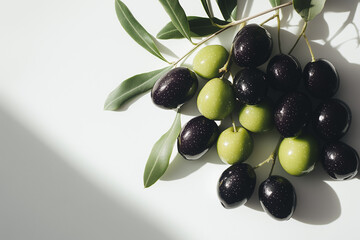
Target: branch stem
[(310, 50), (230, 25), (271, 158), (300, 35)]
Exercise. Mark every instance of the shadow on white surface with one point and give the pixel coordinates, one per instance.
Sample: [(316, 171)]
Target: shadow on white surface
[(42, 197)]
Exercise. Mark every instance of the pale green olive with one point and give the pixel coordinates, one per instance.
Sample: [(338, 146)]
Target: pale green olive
[(234, 147), (209, 60), (216, 99), (298, 155), (257, 118)]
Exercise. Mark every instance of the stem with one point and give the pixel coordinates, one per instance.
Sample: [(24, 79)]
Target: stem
[(308, 44), (272, 157), (278, 30), (227, 65), (230, 25), (233, 123), (270, 18), (300, 35)]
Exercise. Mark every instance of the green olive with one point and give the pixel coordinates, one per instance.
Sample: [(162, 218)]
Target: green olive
[(209, 60), (298, 155), (216, 99), (257, 118), (234, 147)]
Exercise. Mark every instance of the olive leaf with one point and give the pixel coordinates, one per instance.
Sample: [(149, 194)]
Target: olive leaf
[(177, 16), (207, 8), (199, 27), (275, 3), (135, 30), (233, 16), (227, 7), (308, 9), (133, 86), (159, 158)]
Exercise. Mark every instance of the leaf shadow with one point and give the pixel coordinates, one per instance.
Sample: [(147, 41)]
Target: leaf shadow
[(337, 7), (180, 168)]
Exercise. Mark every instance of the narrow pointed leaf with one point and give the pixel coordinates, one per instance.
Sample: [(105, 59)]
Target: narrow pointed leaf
[(233, 16), (199, 27), (227, 7), (308, 9), (275, 3), (160, 154), (177, 16), (132, 87), (135, 30), (207, 8)]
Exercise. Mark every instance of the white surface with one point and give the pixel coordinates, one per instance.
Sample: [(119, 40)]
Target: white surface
[(70, 170)]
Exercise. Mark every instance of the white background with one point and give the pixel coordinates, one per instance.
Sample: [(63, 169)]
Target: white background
[(69, 170)]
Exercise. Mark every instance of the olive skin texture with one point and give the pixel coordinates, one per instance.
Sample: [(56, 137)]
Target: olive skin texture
[(298, 155), (257, 118), (252, 46), (216, 99), (209, 60), (340, 160), (277, 197), (291, 113), (234, 147), (331, 119), (321, 79), (284, 72), (250, 86), (236, 185), (174, 88), (197, 137)]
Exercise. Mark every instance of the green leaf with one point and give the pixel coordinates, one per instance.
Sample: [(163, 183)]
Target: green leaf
[(177, 16), (233, 16), (160, 154), (308, 9), (227, 7), (132, 87), (274, 3), (135, 30), (206, 8), (199, 27)]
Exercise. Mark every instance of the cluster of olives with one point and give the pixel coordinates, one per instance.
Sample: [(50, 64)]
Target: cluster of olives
[(291, 114)]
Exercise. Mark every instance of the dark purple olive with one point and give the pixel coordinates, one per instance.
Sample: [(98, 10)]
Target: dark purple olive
[(174, 88), (340, 160), (321, 79), (291, 113), (332, 119), (236, 185), (284, 72), (250, 86), (197, 137), (252, 46), (277, 197)]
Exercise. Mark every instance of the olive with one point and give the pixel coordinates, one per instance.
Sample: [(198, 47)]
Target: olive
[(250, 86), (216, 99), (291, 113), (236, 185), (252, 46), (209, 60), (174, 88), (284, 72), (340, 160), (331, 119), (321, 79), (197, 137), (277, 197)]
